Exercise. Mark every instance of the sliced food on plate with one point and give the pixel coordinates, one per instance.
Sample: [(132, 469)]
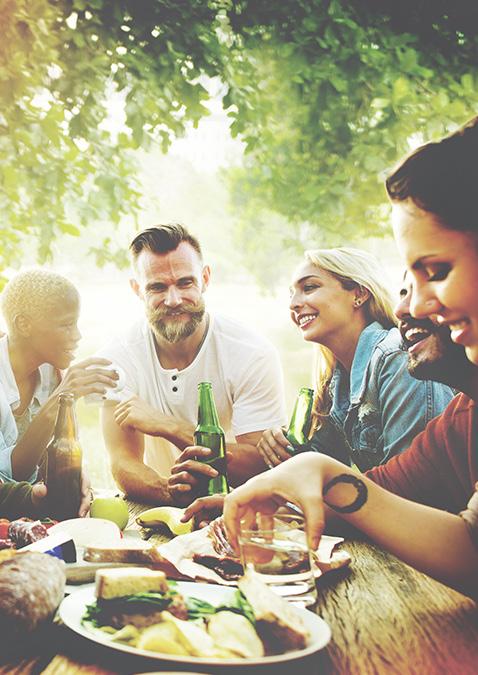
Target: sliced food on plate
[(141, 608)]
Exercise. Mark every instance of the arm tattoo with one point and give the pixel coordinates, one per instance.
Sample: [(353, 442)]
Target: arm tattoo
[(359, 500)]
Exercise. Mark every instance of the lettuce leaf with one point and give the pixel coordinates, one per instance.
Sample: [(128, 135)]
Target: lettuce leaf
[(198, 609)]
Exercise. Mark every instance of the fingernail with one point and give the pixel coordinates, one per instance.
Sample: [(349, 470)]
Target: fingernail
[(289, 448)]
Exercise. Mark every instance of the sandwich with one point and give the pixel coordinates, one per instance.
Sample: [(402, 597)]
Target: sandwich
[(278, 623), (134, 596)]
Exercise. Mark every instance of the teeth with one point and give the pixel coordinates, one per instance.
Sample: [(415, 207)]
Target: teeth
[(306, 318), (458, 325), (413, 333)]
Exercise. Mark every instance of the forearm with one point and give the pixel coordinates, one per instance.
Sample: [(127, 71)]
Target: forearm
[(436, 542), (243, 462), (140, 482), (177, 432), (29, 450), (137, 414), (433, 541), (126, 451)]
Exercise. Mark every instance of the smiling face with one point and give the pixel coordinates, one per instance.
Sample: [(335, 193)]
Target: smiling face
[(320, 306), (431, 353), (444, 267), (54, 337), (171, 286)]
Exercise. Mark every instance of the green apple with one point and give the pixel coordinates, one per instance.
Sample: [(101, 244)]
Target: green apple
[(110, 508)]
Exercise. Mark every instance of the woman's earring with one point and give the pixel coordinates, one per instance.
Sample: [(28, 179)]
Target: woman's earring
[(357, 303)]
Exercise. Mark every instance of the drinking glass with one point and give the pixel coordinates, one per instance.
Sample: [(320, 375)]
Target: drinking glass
[(112, 393), (275, 547)]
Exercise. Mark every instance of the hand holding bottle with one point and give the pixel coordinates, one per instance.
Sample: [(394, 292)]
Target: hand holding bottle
[(39, 496), (277, 445), (189, 473), (274, 447)]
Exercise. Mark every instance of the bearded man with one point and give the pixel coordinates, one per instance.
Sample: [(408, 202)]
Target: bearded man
[(166, 355)]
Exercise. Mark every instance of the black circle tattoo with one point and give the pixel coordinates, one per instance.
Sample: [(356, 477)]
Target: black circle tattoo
[(359, 485)]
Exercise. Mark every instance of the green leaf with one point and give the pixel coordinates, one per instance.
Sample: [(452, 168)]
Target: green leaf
[(69, 228)]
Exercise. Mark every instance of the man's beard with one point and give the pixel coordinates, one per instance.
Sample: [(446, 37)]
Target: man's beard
[(163, 324), (442, 360), (431, 364)]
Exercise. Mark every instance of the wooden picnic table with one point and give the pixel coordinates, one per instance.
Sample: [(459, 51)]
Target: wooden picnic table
[(385, 618)]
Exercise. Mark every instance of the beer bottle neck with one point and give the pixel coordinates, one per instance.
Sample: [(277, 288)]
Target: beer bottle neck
[(65, 426), (207, 413)]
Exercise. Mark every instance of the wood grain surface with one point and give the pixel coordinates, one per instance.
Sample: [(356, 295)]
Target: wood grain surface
[(388, 618)]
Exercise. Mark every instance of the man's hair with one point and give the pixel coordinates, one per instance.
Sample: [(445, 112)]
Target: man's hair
[(163, 239), (442, 178), (34, 292)]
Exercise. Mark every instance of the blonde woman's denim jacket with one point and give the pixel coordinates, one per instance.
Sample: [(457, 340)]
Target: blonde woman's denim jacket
[(377, 413)]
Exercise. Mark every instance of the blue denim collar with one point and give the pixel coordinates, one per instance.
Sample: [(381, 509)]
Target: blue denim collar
[(345, 396)]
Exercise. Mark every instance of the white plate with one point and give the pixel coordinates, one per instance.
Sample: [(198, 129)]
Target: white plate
[(73, 608), (89, 531)]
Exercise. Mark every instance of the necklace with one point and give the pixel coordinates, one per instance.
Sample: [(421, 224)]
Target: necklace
[(204, 336)]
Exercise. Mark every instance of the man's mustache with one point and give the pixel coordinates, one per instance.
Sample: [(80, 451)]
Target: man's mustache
[(184, 309), (410, 322)]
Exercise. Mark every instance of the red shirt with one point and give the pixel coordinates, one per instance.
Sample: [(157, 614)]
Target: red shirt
[(440, 468)]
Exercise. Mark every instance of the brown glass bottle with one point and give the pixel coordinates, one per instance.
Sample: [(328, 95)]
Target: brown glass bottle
[(301, 420), (209, 434), (64, 458)]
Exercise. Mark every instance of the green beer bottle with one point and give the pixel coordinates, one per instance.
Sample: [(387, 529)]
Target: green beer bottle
[(299, 427), (209, 434)]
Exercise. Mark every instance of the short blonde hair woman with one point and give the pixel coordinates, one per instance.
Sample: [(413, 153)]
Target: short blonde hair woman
[(367, 406), (41, 309)]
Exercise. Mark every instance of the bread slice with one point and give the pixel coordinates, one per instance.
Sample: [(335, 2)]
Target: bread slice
[(123, 552), (278, 622), (121, 581)]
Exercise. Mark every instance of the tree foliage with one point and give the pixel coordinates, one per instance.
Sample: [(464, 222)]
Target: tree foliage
[(341, 89), (326, 94), (64, 165)]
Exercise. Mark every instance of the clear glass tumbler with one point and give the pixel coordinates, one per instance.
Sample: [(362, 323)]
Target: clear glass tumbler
[(275, 547)]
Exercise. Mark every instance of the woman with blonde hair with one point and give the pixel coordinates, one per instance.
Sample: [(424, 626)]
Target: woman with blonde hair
[(367, 406)]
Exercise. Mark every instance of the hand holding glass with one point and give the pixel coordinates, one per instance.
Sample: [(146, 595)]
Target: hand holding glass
[(275, 547)]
